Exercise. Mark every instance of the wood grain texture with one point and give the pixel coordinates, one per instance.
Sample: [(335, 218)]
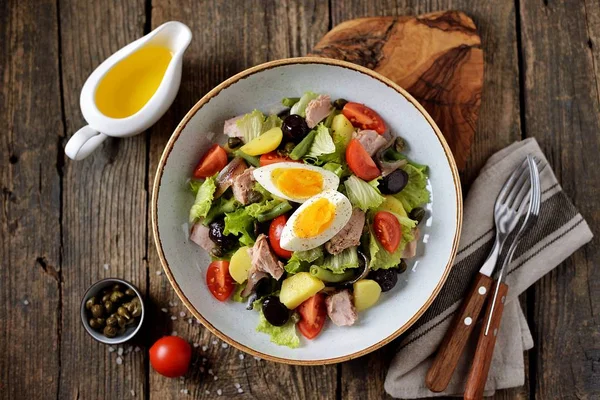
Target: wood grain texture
[(436, 57), (104, 204), (451, 348), (498, 125), (562, 111), (228, 38), (30, 116)]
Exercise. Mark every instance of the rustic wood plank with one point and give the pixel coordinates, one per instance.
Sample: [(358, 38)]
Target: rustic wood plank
[(229, 37), (562, 111), (30, 116), (104, 213), (499, 125)]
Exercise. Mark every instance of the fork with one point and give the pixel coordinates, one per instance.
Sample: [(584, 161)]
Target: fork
[(512, 209), (508, 209)]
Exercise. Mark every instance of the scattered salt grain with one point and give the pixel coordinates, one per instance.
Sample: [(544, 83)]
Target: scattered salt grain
[(240, 390), (111, 349), (173, 317), (224, 345), (119, 360), (132, 393), (129, 349), (106, 267), (215, 342), (257, 358), (171, 304), (237, 385), (190, 321), (198, 321), (159, 272), (219, 392), (164, 310), (204, 348), (120, 351), (241, 356), (210, 371), (174, 333), (196, 344), (216, 378), (26, 302), (185, 391), (137, 348), (207, 392), (182, 314)]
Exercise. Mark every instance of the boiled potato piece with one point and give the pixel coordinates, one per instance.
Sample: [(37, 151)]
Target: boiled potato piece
[(298, 288), (394, 205), (342, 128), (240, 264), (366, 294), (265, 143)]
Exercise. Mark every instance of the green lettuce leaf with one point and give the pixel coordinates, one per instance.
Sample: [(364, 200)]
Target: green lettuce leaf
[(253, 124), (301, 260), (203, 200), (415, 192), (220, 207), (323, 143), (237, 293), (380, 257), (284, 335), (300, 107), (362, 194), (241, 223), (339, 263), (195, 186)]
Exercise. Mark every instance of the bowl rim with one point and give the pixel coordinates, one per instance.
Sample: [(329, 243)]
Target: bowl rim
[(242, 75)]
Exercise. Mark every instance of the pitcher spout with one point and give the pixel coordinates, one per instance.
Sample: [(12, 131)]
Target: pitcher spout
[(174, 35)]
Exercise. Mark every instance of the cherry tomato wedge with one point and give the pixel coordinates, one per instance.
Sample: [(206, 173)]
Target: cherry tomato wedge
[(219, 282), (387, 230), (170, 356), (272, 158), (312, 313), (275, 230), (214, 160), (363, 117), (360, 162)]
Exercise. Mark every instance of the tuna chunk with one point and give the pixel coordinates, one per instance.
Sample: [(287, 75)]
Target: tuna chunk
[(231, 129), (370, 140), (264, 260), (243, 187), (340, 308), (411, 247), (350, 234), (317, 110), (199, 235)]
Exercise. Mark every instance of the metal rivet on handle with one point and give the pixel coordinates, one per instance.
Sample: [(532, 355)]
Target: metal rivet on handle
[(468, 321), (482, 290)]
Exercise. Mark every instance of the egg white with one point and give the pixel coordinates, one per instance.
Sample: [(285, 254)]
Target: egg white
[(343, 211), (263, 176)]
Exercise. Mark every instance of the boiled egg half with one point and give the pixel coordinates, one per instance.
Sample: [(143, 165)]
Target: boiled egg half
[(316, 221), (295, 181)]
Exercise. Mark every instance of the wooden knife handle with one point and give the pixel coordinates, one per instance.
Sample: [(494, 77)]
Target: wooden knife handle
[(454, 342), (485, 348)]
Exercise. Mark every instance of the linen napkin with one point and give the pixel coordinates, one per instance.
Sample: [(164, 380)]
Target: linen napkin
[(559, 231)]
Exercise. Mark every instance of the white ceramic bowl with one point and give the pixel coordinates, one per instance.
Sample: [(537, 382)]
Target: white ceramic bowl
[(263, 87)]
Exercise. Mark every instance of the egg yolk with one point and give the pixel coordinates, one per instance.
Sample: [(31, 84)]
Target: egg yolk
[(315, 219), (297, 183)]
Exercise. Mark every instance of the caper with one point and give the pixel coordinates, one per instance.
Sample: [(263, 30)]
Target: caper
[(94, 324), (417, 214), (402, 266), (106, 297), (116, 297), (136, 308), (217, 252), (399, 144), (90, 302), (109, 307), (234, 142), (120, 320), (129, 307), (131, 321), (340, 103), (101, 321), (110, 331), (124, 313), (97, 310), (112, 321), (289, 146), (130, 292)]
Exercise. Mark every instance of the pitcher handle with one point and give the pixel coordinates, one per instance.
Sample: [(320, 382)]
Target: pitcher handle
[(83, 143)]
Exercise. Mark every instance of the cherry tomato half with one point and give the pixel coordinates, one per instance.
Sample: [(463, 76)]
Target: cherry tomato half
[(312, 313), (363, 117), (360, 162), (219, 281), (170, 356), (387, 230), (214, 160), (275, 230), (272, 158)]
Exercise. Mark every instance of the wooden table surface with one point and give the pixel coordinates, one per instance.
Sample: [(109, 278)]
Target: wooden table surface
[(61, 221)]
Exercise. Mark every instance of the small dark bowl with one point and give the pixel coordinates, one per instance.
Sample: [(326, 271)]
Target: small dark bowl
[(97, 288)]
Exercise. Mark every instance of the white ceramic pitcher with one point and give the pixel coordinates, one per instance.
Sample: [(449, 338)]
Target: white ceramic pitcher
[(173, 35)]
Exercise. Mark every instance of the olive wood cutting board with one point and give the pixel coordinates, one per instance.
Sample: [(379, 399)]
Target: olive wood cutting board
[(436, 57)]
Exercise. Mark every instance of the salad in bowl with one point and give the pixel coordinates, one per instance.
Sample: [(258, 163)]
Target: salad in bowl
[(309, 215)]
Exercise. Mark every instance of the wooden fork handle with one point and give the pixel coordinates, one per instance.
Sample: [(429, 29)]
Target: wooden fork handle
[(454, 342), (485, 347)]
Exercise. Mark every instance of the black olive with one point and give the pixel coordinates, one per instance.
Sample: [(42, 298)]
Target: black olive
[(386, 278), (399, 144), (417, 214), (294, 128), (340, 103), (402, 266), (216, 234), (394, 182), (234, 142), (266, 286), (275, 312)]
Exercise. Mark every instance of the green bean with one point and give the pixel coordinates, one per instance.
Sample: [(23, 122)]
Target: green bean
[(275, 212), (327, 276), (290, 101), (302, 148), (251, 159), (330, 117)]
